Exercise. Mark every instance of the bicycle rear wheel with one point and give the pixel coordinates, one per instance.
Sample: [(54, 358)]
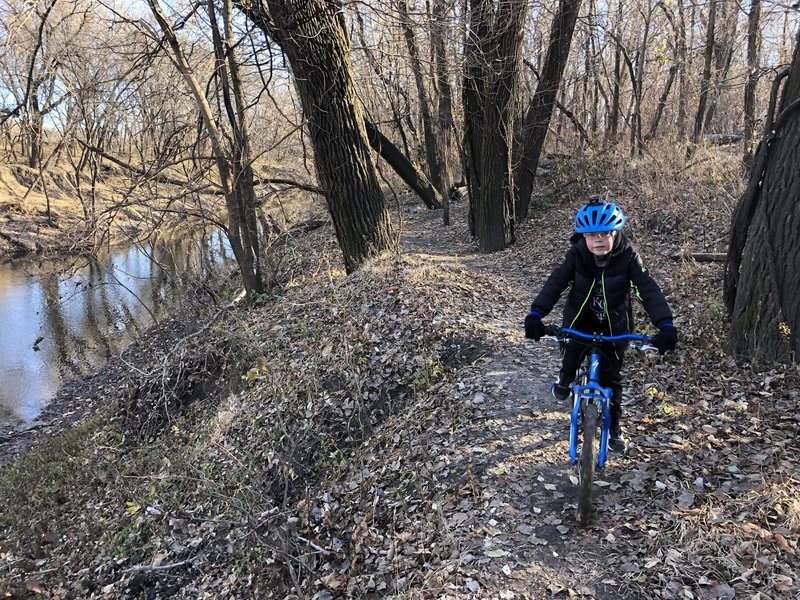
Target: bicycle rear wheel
[(586, 465)]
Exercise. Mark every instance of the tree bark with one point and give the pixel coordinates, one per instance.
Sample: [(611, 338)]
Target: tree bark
[(445, 125), (753, 52), (313, 35), (540, 109), (492, 43), (763, 270), (706, 81), (493, 207)]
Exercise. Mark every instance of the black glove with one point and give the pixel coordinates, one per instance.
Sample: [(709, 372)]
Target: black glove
[(534, 328), (665, 339)]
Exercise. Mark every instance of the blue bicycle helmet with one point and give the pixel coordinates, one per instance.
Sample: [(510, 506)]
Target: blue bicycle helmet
[(599, 216)]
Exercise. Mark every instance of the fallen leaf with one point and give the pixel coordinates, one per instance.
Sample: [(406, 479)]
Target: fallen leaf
[(685, 500)]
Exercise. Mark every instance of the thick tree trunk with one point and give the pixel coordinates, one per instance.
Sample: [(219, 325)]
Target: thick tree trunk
[(540, 109), (494, 204), (478, 31), (763, 269), (313, 35), (444, 117)]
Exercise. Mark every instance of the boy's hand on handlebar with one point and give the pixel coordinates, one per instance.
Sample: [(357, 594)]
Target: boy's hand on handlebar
[(534, 328), (666, 339)]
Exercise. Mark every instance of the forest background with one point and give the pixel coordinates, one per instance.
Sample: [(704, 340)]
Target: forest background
[(121, 120)]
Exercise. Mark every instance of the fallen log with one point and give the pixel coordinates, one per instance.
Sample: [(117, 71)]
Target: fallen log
[(723, 139), (701, 257)]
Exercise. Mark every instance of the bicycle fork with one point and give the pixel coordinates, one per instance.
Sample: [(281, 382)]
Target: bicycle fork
[(588, 389)]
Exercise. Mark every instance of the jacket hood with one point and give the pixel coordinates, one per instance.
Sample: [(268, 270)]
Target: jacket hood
[(621, 242)]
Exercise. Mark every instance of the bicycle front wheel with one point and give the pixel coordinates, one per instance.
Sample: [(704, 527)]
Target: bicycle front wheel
[(587, 462)]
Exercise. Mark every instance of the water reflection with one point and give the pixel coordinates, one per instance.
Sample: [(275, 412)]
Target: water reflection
[(59, 319)]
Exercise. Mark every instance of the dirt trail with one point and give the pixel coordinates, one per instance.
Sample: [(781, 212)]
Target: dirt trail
[(516, 525)]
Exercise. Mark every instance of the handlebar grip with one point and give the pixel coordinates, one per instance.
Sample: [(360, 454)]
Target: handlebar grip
[(552, 330)]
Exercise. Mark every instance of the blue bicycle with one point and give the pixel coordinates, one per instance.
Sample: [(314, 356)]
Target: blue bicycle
[(591, 404)]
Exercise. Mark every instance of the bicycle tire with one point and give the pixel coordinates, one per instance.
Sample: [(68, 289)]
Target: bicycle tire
[(587, 462)]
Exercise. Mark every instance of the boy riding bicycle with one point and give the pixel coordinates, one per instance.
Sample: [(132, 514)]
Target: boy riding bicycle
[(601, 271)]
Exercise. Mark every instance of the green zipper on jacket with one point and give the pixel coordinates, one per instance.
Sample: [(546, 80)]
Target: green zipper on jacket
[(608, 314), (605, 301), (585, 300)]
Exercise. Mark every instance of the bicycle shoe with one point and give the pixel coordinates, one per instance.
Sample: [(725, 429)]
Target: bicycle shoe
[(560, 392)]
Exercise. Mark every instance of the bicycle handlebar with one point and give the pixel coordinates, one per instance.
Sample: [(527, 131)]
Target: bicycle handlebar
[(565, 332)]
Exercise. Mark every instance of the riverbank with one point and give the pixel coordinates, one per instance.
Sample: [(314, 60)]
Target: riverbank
[(45, 213), (86, 398)]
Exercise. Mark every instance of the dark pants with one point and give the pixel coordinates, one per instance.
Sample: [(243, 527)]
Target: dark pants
[(610, 366)]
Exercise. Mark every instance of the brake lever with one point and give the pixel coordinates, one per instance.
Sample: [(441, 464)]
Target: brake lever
[(649, 349)]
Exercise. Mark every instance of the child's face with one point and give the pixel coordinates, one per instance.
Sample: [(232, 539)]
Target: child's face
[(600, 243)]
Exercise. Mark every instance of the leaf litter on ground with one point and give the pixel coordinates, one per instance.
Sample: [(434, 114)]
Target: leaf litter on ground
[(399, 440)]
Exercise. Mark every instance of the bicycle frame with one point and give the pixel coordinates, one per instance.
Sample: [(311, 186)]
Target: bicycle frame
[(592, 391)]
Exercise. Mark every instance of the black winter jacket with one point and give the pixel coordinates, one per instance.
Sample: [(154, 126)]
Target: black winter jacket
[(623, 275)]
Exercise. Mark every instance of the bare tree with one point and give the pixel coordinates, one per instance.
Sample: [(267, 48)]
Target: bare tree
[(724, 42), (705, 84), (31, 72), (433, 150), (540, 109), (317, 46), (229, 138), (491, 64)]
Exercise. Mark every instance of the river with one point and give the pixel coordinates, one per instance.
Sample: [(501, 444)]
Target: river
[(62, 318)]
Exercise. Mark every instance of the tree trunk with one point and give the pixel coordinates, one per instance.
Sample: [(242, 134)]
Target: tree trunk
[(228, 166), (613, 121), (403, 167), (682, 67), (706, 82), (540, 109), (662, 102), (724, 41), (445, 124), (313, 35), (762, 274), (753, 52), (477, 32), (494, 204), (430, 138), (636, 144)]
